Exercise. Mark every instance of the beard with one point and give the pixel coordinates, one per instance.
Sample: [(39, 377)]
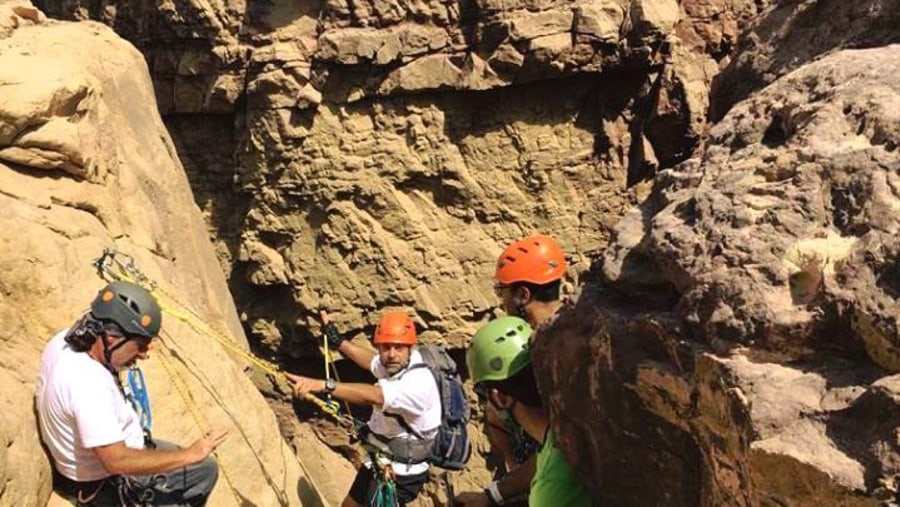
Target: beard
[(394, 368)]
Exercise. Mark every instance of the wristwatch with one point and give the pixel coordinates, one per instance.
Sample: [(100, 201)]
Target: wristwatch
[(330, 384)]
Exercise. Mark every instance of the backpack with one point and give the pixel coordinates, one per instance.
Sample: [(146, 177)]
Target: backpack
[(450, 448)]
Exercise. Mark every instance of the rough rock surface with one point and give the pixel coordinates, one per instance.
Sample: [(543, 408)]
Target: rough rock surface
[(86, 163), (740, 334), (736, 341), (794, 32), (337, 169)]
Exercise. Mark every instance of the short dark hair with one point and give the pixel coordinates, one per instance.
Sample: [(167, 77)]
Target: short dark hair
[(544, 293), (87, 329), (522, 387)]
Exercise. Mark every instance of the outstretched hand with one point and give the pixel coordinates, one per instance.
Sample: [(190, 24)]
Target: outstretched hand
[(204, 446), (323, 316), (305, 385)]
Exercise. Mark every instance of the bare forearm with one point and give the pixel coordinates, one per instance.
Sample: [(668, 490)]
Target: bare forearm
[(518, 480), (360, 394), (359, 355), (125, 461)]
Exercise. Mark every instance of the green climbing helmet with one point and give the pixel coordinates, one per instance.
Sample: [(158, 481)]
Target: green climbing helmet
[(499, 349), (130, 306)]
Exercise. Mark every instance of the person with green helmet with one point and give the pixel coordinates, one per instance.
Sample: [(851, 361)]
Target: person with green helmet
[(499, 365), (528, 277), (101, 455)]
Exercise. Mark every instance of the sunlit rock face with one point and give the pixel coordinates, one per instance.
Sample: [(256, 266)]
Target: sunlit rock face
[(363, 155), (86, 164)]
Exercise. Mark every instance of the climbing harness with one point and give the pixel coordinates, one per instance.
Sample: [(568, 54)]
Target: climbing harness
[(115, 265)]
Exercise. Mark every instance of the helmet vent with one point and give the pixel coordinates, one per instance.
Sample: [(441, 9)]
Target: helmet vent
[(130, 303)]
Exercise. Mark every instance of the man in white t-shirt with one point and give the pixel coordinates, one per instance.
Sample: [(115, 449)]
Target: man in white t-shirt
[(99, 449), (406, 404)]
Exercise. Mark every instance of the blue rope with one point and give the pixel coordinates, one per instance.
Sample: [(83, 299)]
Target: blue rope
[(139, 397)]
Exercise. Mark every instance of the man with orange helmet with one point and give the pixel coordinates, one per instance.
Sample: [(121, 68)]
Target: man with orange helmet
[(406, 402), (528, 277), (527, 280)]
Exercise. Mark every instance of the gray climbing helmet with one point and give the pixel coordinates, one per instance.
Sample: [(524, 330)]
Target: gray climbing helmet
[(130, 306)]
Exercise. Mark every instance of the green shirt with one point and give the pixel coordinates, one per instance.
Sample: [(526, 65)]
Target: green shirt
[(555, 484)]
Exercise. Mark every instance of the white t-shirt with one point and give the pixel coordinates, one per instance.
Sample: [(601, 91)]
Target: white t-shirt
[(80, 407), (412, 394)]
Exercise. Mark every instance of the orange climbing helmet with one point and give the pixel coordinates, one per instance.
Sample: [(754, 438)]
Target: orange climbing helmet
[(395, 327), (536, 259)]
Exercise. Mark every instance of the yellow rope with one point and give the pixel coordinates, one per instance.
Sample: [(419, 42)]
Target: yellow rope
[(329, 360), (180, 386), (130, 273)]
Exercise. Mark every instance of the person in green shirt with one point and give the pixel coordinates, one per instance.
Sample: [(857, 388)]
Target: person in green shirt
[(499, 364)]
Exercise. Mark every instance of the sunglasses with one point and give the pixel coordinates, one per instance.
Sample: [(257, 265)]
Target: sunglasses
[(143, 342)]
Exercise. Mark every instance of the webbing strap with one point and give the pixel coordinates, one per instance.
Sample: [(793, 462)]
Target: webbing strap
[(139, 397)]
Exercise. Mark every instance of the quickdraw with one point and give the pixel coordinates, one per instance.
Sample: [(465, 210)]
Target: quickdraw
[(385, 494), (139, 398)]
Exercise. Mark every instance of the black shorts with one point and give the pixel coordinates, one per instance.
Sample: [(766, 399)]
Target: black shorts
[(363, 488)]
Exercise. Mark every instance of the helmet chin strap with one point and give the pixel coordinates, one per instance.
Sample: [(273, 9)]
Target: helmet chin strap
[(506, 414), (108, 351)]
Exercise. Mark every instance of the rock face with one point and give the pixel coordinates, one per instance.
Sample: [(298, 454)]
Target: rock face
[(793, 33), (736, 344), (338, 170), (740, 333), (85, 164)]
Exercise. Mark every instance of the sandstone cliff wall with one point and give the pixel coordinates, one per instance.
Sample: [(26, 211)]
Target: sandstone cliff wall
[(86, 163), (357, 156), (737, 338)]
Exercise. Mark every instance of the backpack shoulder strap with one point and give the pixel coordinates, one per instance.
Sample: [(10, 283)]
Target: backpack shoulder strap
[(413, 367)]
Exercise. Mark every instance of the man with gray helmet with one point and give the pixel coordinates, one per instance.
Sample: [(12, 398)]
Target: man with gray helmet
[(100, 452)]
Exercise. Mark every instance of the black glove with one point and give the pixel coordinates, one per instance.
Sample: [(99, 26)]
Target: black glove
[(333, 335)]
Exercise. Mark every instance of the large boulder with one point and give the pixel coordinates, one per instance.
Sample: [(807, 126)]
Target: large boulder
[(741, 332), (85, 164)]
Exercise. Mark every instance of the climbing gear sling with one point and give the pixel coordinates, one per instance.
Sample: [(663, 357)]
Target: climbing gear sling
[(139, 397)]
